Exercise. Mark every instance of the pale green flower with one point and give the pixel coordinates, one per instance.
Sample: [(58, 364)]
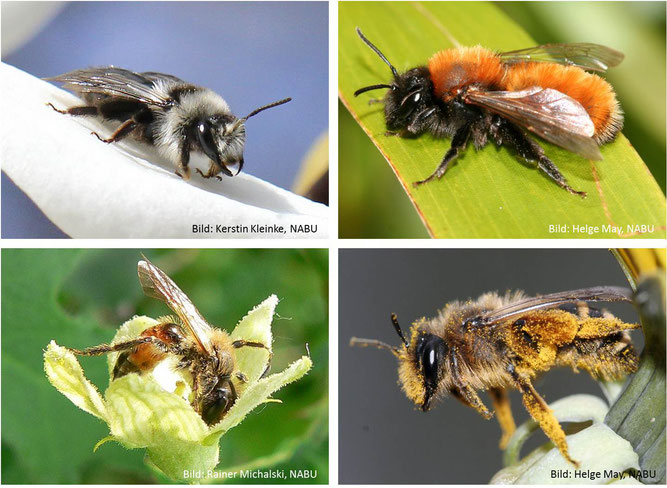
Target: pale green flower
[(598, 448), (153, 411)]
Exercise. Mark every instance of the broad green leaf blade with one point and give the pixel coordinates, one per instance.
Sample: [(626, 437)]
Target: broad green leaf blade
[(488, 193), (639, 413)]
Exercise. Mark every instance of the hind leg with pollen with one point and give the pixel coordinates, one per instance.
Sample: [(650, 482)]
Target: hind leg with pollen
[(542, 414)]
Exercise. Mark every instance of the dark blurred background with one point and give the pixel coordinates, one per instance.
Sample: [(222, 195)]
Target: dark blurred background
[(635, 28), (251, 53), (383, 438)]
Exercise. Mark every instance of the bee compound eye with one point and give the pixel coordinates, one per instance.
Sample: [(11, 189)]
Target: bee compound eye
[(430, 353), (205, 138), (218, 402)]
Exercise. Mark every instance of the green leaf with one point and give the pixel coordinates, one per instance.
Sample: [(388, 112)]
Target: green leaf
[(639, 413), (487, 193)]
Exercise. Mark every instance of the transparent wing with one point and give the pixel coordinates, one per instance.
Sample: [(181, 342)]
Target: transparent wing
[(157, 284), (553, 300), (593, 57), (117, 82), (548, 113), (154, 76)]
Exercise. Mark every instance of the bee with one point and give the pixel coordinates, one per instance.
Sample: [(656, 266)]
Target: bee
[(501, 342), (475, 94), (206, 352), (175, 116)]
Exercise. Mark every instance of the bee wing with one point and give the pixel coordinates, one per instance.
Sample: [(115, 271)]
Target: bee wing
[(154, 76), (157, 284), (593, 57), (553, 300), (548, 113), (117, 82)]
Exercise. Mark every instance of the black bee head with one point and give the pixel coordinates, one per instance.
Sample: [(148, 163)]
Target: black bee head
[(410, 94), (429, 352), (222, 138), (421, 362), (217, 402)]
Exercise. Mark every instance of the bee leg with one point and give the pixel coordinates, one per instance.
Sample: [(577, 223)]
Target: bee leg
[(459, 142), (501, 403), (531, 152), (462, 391), (83, 110), (212, 172), (183, 160), (244, 343), (470, 398), (123, 131), (542, 414), (241, 377), (121, 346), (546, 165)]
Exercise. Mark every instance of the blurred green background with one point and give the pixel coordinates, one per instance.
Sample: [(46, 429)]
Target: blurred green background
[(372, 203), (80, 297)]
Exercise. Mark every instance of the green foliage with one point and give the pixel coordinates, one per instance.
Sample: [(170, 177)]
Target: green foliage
[(639, 413), (80, 298), (488, 193)]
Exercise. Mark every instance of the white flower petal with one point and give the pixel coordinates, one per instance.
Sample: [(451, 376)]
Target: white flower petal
[(126, 190), (22, 21)]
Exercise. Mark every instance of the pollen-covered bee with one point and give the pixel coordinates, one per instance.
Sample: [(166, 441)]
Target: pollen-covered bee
[(206, 352), (175, 116), (500, 342), (475, 94)]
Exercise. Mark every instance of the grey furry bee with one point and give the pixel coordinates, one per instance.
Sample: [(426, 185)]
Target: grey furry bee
[(175, 116), (500, 342)]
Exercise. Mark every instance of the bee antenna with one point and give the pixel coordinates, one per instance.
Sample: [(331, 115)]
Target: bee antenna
[(356, 341), (378, 52), (369, 88), (394, 320), (261, 109), (307, 349)]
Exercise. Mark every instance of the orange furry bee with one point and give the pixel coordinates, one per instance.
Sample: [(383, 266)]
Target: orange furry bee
[(206, 352), (475, 94), (500, 342)]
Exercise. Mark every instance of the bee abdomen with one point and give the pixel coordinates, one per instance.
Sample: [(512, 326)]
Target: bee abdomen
[(124, 366), (607, 358)]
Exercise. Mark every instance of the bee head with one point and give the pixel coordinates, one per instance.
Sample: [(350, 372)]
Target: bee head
[(421, 362), (222, 138), (410, 94), (421, 367), (214, 405)]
